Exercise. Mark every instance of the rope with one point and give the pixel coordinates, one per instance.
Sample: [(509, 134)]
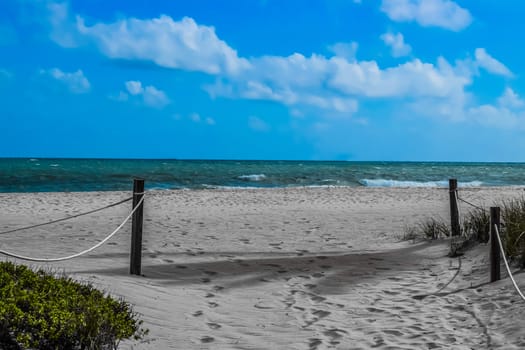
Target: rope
[(422, 296), (507, 264), (67, 218), (472, 205), (82, 252)]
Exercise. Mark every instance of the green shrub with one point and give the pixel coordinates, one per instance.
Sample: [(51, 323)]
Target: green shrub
[(40, 311)]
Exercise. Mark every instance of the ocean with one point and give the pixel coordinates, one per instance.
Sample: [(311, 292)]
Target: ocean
[(67, 175)]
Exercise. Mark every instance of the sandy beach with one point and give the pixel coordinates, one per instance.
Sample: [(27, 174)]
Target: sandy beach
[(297, 268)]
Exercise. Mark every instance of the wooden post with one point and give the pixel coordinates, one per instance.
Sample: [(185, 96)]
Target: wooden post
[(454, 213), (494, 245), (136, 228)]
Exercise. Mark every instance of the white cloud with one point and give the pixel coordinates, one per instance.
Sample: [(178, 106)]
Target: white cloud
[(151, 96), (174, 44), (315, 85), (397, 43), (154, 97), (63, 30), (492, 65), (510, 99), (497, 116), (428, 13), (134, 87), (76, 81), (507, 112), (210, 121), (411, 79), (258, 124), (345, 50)]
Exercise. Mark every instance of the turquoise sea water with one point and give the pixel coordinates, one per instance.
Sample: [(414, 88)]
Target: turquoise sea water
[(59, 175)]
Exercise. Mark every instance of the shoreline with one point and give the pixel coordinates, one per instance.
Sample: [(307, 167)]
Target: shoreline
[(280, 268), (277, 188)]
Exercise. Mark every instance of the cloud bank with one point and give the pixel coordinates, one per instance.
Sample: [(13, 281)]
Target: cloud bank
[(326, 85)]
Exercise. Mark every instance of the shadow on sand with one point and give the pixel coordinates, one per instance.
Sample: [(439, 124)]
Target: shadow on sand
[(331, 271)]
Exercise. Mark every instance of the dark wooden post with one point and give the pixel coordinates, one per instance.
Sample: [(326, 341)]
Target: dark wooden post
[(454, 213), (494, 245), (136, 228)]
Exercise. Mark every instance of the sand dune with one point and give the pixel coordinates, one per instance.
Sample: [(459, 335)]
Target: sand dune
[(300, 268)]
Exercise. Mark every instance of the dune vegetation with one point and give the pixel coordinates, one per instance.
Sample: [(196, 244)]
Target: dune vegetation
[(41, 311)]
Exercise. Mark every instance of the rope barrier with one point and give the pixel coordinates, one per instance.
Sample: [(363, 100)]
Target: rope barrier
[(68, 218), (82, 252), (472, 205), (507, 264)]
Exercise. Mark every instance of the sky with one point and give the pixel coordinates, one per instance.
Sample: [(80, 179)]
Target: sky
[(358, 80)]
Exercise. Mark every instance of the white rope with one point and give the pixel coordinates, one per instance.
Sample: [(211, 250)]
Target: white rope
[(77, 254), (507, 264), (68, 217)]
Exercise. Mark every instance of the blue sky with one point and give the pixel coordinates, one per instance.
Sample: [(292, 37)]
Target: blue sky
[(420, 80)]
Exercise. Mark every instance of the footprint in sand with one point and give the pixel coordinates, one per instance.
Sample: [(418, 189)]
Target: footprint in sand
[(334, 333), (393, 332), (210, 273), (321, 313), (390, 292), (213, 325), (218, 288), (274, 265), (212, 304), (205, 280), (181, 267), (317, 298), (168, 261), (197, 313), (314, 343), (207, 339)]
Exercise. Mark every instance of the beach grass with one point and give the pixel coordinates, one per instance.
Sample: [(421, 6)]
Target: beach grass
[(475, 227), (41, 311)]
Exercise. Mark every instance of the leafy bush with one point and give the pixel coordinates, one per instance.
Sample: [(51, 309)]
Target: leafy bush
[(40, 311)]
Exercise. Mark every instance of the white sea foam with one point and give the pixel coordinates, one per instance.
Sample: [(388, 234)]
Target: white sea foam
[(398, 183), (253, 177)]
